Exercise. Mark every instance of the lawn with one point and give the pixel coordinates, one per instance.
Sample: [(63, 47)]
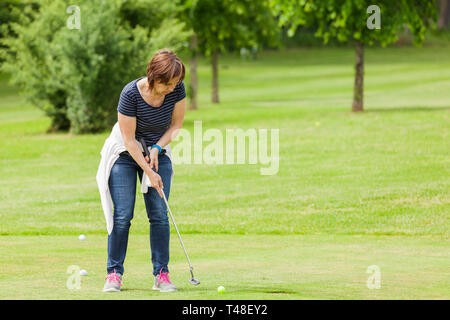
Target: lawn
[(352, 190)]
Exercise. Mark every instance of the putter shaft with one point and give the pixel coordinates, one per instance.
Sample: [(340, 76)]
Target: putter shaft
[(179, 236)]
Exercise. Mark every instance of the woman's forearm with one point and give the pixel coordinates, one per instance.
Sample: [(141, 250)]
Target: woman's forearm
[(134, 150)]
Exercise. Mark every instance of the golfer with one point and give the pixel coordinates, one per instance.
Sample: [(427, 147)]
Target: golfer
[(152, 108)]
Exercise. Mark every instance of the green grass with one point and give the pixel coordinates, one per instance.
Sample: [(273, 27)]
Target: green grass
[(356, 190), (249, 267)]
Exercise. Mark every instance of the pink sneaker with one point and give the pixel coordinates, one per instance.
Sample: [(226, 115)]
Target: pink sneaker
[(113, 282), (163, 283)]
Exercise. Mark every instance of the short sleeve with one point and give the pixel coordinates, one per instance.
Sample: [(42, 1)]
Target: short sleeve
[(181, 92), (127, 105)]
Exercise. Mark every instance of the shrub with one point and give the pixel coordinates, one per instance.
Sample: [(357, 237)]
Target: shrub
[(76, 75)]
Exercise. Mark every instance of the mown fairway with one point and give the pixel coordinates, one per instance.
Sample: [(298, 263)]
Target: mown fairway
[(352, 190)]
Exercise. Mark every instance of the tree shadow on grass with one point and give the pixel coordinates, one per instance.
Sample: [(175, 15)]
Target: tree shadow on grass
[(406, 109), (271, 290)]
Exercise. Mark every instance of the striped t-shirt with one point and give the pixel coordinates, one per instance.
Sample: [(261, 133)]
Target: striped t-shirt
[(151, 122)]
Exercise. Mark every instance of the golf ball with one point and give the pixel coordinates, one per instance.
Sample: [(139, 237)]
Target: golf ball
[(82, 237), (83, 272), (221, 289)]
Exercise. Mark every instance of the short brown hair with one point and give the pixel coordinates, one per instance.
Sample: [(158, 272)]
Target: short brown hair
[(164, 66)]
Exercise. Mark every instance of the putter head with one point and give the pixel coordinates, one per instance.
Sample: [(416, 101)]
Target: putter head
[(193, 281)]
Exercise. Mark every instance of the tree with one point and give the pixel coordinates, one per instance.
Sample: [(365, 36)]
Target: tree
[(444, 14), (75, 71), (226, 26), (350, 21)]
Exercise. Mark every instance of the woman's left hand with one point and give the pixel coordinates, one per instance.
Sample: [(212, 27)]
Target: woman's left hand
[(153, 158)]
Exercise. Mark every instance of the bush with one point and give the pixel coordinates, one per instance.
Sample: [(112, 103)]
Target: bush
[(76, 75), (9, 13)]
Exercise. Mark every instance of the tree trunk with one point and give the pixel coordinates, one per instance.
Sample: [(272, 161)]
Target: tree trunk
[(215, 76), (444, 14), (193, 79), (359, 79)]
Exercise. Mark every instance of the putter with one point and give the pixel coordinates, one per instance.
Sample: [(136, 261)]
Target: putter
[(193, 281)]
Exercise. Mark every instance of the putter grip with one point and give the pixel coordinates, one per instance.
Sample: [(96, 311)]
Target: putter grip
[(144, 145)]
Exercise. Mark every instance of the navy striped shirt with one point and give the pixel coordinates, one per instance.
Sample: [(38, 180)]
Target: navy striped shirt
[(151, 122)]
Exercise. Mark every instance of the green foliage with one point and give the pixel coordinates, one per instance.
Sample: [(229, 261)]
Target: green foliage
[(229, 25), (159, 17), (9, 13), (346, 20), (76, 75), (29, 59), (305, 37), (147, 13)]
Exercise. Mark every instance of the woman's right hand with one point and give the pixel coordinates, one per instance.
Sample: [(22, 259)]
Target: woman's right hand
[(156, 181)]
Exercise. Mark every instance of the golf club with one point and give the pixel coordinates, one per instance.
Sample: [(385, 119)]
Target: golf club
[(193, 281)]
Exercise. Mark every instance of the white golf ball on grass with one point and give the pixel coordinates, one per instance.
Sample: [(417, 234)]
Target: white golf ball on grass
[(83, 272), (82, 237), (221, 289)]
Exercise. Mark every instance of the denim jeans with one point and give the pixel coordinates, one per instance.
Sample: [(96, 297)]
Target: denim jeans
[(122, 186)]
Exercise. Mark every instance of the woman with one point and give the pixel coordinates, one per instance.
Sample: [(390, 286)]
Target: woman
[(153, 108)]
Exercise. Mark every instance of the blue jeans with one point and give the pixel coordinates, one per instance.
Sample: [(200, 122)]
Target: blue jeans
[(122, 186)]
